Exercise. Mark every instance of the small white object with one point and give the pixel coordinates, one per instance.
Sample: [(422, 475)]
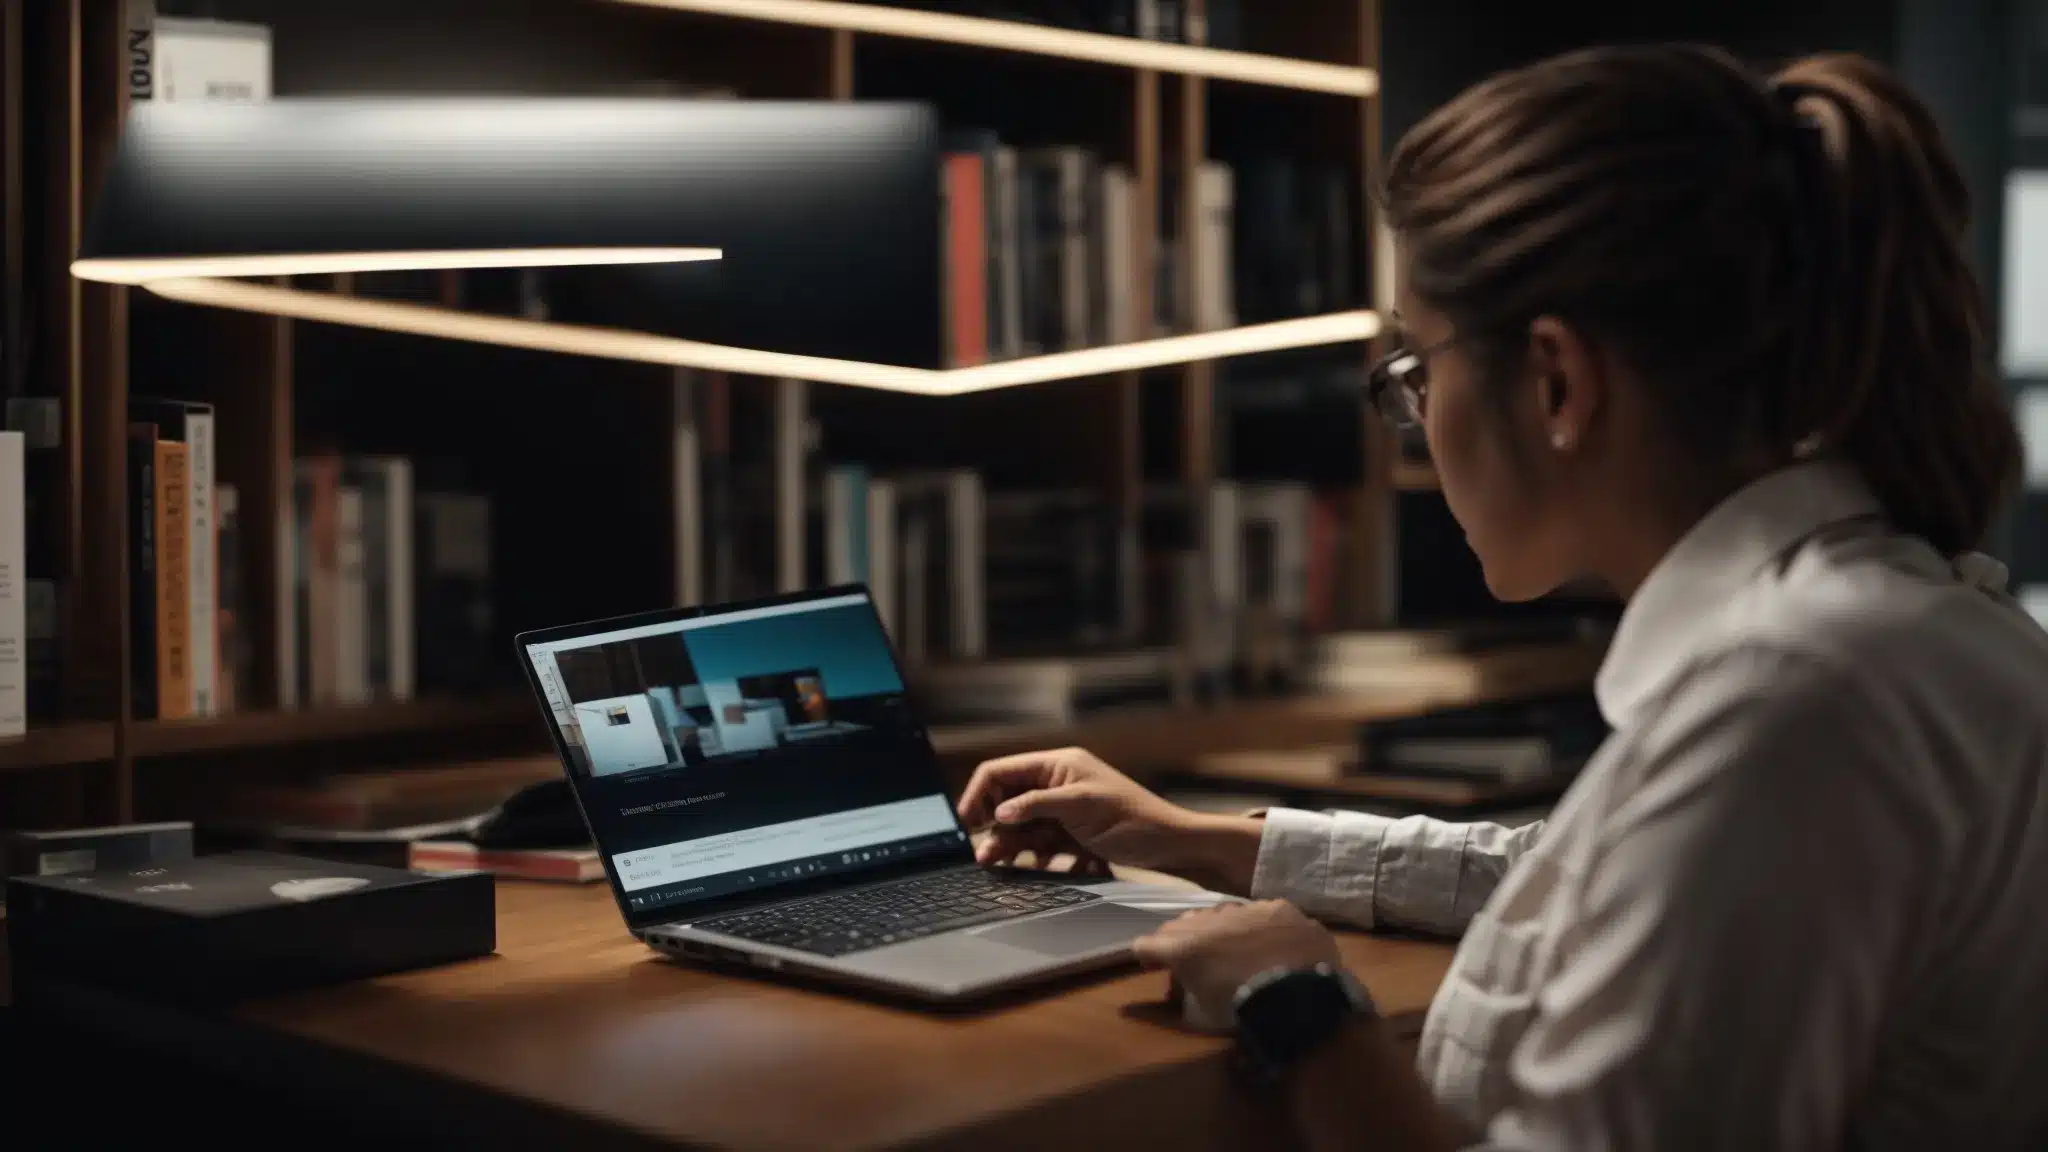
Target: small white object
[(2032, 405)]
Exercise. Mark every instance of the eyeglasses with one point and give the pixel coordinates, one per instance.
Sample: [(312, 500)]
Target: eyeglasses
[(1398, 383)]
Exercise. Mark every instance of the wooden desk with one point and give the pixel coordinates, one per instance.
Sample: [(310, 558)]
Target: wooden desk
[(577, 1036)]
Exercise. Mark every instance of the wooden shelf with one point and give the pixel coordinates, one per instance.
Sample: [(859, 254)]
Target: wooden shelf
[(1040, 40), (57, 746), (314, 725), (1152, 740)]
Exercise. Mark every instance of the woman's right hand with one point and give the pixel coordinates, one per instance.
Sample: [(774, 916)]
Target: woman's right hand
[(1069, 802)]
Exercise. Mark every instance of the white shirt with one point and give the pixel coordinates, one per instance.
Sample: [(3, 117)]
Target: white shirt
[(1799, 898)]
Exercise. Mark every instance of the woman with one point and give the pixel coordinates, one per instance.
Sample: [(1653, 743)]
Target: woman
[(1712, 339)]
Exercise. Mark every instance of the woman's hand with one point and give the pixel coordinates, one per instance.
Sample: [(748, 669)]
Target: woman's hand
[(1070, 803), (1211, 952)]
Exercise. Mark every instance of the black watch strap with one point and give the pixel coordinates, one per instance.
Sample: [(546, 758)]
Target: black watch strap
[(1285, 1014)]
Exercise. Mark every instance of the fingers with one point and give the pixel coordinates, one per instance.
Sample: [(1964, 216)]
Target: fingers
[(1170, 942), (1041, 804), (997, 780)]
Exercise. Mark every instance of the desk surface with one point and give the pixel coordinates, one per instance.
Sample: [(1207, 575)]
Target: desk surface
[(576, 1017)]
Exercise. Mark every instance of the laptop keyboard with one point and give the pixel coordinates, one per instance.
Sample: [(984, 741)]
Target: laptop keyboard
[(844, 922)]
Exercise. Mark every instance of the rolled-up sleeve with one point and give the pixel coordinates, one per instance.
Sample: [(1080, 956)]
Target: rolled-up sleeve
[(1378, 871)]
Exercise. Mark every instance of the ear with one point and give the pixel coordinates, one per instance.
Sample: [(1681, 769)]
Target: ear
[(1570, 382)]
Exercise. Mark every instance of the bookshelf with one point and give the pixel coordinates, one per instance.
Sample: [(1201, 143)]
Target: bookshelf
[(1147, 105)]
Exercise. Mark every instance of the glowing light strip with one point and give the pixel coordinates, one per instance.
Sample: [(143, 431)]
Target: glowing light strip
[(1011, 36), (622, 344), (139, 270)]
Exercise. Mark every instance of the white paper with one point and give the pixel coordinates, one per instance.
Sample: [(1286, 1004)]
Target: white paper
[(2024, 330), (2030, 408)]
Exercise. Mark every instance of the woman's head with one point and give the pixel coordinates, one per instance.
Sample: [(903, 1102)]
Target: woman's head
[(1641, 276)]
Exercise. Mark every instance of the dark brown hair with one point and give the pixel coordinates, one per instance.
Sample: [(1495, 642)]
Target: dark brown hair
[(1782, 259)]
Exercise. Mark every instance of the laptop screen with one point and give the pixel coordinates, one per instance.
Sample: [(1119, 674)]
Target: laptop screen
[(743, 749)]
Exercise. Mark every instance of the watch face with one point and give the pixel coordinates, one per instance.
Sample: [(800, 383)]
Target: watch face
[(1283, 1018)]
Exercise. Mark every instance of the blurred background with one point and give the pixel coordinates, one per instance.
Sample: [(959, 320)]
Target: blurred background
[(1223, 571)]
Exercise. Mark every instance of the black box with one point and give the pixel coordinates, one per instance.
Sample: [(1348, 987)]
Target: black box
[(96, 849), (215, 929)]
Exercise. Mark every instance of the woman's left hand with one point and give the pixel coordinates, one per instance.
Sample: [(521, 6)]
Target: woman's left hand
[(1213, 951)]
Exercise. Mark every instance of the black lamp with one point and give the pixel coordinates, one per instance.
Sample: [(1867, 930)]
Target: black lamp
[(824, 217)]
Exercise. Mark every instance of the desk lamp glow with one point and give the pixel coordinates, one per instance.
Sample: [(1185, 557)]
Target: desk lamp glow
[(823, 218)]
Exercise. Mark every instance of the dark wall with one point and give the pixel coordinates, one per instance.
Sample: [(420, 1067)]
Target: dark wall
[(1958, 55)]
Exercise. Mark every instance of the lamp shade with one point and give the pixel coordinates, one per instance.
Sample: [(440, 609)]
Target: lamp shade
[(790, 239), (823, 213)]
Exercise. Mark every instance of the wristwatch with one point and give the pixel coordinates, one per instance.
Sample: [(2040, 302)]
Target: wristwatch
[(1283, 1014)]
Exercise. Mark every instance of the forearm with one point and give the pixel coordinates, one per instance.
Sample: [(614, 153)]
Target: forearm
[(1221, 853), (1361, 1091)]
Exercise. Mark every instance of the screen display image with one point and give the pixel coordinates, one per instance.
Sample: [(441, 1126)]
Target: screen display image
[(736, 750)]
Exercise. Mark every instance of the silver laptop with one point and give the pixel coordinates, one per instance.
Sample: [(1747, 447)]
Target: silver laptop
[(762, 793)]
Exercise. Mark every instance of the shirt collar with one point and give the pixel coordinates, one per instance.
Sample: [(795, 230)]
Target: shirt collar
[(1673, 610)]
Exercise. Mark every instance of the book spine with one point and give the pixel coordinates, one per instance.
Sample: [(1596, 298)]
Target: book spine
[(376, 579), (203, 586), (1009, 260), (40, 420), (142, 597), (967, 562), (966, 260), (139, 22), (688, 480), (173, 580), (352, 624), (230, 645), (883, 553), (322, 560), (13, 584), (1213, 305), (402, 619), (1118, 284)]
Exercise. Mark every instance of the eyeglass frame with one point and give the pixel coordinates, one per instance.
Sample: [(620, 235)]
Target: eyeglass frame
[(1397, 384)]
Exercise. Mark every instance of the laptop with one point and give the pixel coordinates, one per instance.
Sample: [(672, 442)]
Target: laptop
[(762, 793)]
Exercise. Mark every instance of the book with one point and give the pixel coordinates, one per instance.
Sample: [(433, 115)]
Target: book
[(966, 246), (142, 565), (40, 420), (212, 61), (193, 425), (174, 671), (13, 586), (566, 865), (232, 643)]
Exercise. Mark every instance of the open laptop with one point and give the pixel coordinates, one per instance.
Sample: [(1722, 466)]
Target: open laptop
[(762, 792)]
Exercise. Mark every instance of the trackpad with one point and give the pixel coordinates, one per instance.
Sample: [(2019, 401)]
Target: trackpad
[(1085, 929)]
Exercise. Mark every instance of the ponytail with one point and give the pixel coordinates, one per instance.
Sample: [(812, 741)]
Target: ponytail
[(1781, 261), (1891, 367)]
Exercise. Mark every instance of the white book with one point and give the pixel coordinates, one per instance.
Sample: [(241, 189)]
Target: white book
[(13, 584), (211, 61), (202, 523), (352, 602), (883, 552), (1215, 202), (1119, 254), (139, 21)]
